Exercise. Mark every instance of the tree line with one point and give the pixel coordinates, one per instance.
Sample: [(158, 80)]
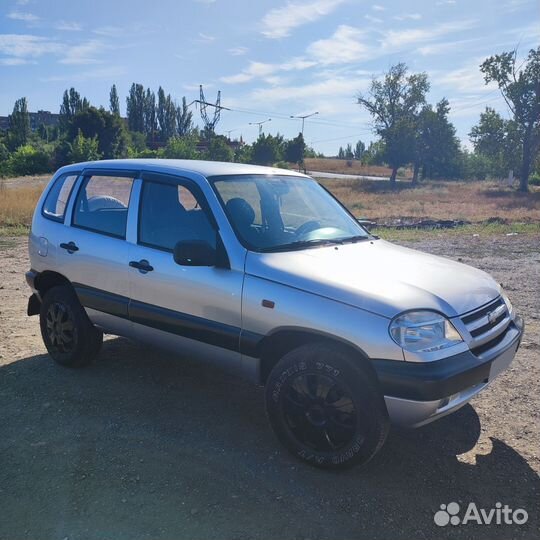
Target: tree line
[(410, 132)]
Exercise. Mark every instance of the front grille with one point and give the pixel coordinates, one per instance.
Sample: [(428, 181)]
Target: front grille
[(487, 326)]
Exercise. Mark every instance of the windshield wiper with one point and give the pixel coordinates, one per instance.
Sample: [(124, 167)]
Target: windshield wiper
[(299, 244)]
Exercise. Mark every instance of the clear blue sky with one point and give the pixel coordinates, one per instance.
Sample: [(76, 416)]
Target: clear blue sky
[(274, 58)]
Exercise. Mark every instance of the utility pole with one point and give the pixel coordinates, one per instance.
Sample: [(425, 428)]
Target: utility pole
[(304, 119), (260, 124)]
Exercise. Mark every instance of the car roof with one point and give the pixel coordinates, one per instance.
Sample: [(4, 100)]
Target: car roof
[(204, 168)]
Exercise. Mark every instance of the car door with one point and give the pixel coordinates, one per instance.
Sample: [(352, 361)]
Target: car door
[(93, 252), (191, 309)]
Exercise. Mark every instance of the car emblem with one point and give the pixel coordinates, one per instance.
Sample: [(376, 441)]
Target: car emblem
[(491, 316)]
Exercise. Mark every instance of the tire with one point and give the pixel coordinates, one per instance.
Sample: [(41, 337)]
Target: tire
[(325, 407), (71, 339)]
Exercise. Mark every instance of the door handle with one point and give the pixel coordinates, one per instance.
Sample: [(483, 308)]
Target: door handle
[(70, 248), (142, 266)]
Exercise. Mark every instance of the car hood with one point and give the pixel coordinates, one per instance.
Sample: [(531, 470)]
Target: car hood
[(379, 277)]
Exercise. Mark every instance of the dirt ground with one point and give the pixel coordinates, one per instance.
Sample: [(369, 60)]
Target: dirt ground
[(143, 445)]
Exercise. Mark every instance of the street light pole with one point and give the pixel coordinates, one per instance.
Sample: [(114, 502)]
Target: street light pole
[(304, 118), (260, 124)]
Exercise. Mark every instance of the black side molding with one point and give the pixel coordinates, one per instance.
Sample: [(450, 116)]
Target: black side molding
[(107, 302)]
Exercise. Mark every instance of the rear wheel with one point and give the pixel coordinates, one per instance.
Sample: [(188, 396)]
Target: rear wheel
[(325, 407), (71, 339)]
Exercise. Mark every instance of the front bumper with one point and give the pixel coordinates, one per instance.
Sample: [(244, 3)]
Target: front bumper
[(418, 393)]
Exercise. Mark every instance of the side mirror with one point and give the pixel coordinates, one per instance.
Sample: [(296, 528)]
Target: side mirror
[(194, 253)]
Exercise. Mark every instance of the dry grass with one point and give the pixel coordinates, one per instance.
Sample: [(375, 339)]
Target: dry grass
[(17, 205), (469, 201), (341, 166)]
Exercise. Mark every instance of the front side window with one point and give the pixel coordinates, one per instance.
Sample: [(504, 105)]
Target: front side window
[(172, 213), (102, 205), (56, 201), (278, 213)]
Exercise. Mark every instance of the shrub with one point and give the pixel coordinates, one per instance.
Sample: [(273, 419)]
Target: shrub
[(179, 148), (534, 179), (84, 149), (28, 159)]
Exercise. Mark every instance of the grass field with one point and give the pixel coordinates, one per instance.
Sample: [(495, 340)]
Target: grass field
[(491, 208), (343, 166)]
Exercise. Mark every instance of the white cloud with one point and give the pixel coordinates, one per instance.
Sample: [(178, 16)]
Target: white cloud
[(279, 22), (331, 89), (344, 46), (205, 38), (373, 19), (27, 45), (237, 51), (466, 79), (110, 31), (408, 16), (107, 73), (84, 53), (446, 46), (378, 7), (13, 61), (264, 70), (22, 16), (396, 39), (68, 26)]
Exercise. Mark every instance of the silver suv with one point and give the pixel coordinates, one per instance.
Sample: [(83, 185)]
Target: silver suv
[(265, 273)]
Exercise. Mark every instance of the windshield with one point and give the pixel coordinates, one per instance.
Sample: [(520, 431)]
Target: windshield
[(278, 213)]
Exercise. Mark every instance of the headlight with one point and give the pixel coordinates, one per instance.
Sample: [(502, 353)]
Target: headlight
[(423, 331)]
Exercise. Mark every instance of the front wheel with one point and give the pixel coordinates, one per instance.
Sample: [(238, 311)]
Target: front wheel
[(71, 339), (325, 407)]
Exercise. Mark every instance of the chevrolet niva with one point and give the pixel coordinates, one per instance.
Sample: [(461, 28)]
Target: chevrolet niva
[(263, 272)]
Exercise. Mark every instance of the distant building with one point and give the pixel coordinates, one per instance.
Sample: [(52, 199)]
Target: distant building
[(46, 118)]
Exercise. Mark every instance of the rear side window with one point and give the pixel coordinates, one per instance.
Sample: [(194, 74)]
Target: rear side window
[(171, 213), (102, 205), (56, 201)]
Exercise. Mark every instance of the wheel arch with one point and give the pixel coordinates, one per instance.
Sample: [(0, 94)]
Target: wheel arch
[(48, 279), (283, 340)]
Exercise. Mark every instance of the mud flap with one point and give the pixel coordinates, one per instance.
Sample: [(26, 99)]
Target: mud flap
[(34, 305)]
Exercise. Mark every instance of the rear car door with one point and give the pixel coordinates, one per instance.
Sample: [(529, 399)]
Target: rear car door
[(194, 309), (93, 252)]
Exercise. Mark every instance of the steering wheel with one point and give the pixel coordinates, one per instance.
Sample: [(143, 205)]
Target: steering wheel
[(307, 227)]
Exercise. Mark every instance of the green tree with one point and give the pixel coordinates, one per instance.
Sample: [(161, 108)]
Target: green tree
[(84, 149), (436, 144), (180, 148), (349, 154), (267, 149), (395, 103), (499, 141), (219, 150), (135, 108), (520, 88), (113, 139), (359, 150), (114, 101), (184, 119), (72, 104), (166, 115), (295, 150), (149, 115), (341, 153), (19, 124)]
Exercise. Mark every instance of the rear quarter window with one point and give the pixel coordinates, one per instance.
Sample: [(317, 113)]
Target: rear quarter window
[(56, 201)]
